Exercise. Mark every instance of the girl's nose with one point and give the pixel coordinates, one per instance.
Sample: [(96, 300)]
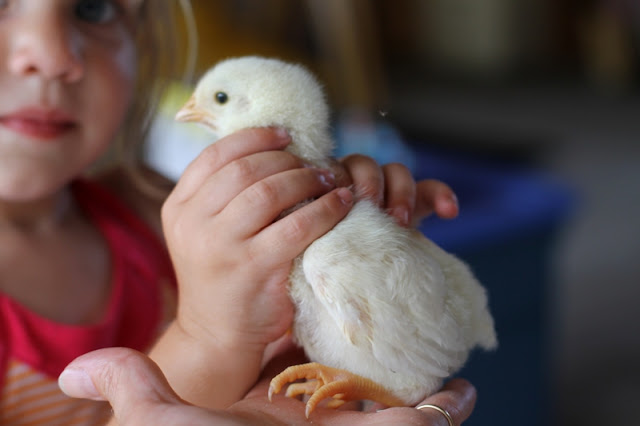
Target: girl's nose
[(46, 47)]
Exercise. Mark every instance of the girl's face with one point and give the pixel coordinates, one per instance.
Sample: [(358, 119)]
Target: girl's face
[(66, 82)]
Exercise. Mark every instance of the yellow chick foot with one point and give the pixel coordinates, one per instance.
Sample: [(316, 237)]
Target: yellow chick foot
[(327, 382)]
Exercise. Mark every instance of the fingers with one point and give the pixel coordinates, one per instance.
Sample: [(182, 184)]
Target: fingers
[(240, 174), (457, 397), (261, 203), (237, 145), (367, 177), (400, 192), (288, 237), (245, 176), (129, 380), (393, 188), (435, 196), (409, 202)]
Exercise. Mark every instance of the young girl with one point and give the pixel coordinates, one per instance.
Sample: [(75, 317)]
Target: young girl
[(82, 262)]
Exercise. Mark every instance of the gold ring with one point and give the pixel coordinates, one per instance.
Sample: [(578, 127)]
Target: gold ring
[(442, 411)]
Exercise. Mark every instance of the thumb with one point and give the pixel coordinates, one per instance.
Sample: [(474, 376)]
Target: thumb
[(130, 381)]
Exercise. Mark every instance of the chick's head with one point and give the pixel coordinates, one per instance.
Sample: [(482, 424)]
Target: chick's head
[(253, 91)]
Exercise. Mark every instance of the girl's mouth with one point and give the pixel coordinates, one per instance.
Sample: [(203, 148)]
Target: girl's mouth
[(38, 123)]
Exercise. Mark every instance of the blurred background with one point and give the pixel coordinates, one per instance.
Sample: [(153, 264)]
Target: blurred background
[(530, 110)]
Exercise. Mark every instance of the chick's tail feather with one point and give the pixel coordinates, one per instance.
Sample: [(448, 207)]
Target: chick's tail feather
[(484, 329)]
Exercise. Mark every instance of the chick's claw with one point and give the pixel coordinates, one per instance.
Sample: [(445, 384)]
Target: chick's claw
[(305, 388), (327, 382)]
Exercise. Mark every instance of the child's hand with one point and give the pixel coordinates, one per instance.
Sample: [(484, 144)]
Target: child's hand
[(393, 188), (231, 253)]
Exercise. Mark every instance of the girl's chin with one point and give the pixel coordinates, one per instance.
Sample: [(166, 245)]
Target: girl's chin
[(31, 191)]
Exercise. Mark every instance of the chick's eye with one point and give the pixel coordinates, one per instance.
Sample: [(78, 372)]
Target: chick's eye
[(96, 11), (222, 97)]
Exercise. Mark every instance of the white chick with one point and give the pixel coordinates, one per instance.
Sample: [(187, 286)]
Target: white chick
[(383, 312)]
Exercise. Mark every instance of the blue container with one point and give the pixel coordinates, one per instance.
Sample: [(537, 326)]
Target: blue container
[(507, 225)]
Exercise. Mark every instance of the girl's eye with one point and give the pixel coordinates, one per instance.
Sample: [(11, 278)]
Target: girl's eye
[(95, 11)]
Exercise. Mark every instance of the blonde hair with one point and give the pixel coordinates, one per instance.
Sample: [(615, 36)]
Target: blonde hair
[(156, 39)]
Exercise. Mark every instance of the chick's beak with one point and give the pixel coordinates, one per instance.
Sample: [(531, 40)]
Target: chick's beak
[(191, 113)]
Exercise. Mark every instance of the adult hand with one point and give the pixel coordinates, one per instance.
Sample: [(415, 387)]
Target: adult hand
[(139, 394)]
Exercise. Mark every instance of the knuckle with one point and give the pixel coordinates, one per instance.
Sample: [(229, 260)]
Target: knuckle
[(108, 379), (241, 170), (290, 160), (265, 137), (257, 133), (114, 379), (168, 210), (321, 215), (211, 155), (361, 164), (370, 187), (297, 229), (255, 253), (262, 193), (166, 215), (358, 158), (170, 219), (333, 205), (397, 168), (299, 226)]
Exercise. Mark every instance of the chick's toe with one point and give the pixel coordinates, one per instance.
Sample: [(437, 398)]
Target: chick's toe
[(327, 382)]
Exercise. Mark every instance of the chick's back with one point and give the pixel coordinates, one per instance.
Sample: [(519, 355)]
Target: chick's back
[(384, 302)]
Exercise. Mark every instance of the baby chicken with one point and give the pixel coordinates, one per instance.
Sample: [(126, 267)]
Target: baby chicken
[(383, 312)]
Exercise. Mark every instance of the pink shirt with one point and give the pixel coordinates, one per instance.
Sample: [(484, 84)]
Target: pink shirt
[(35, 350)]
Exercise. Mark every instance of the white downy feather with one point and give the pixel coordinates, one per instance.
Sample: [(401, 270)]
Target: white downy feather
[(371, 297)]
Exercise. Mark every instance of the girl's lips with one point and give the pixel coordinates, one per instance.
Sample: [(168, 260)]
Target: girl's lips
[(38, 123)]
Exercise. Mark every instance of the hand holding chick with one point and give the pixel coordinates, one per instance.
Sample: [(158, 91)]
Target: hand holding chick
[(382, 311)]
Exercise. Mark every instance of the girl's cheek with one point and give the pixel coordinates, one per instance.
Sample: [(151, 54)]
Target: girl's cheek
[(109, 90), (122, 72), (126, 60)]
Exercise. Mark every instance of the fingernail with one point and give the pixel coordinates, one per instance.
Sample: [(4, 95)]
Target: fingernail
[(282, 133), (402, 215), (454, 199), (345, 196), (76, 382), (326, 177)]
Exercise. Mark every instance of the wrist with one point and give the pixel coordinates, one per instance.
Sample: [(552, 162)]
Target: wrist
[(218, 340), (248, 321), (206, 372)]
